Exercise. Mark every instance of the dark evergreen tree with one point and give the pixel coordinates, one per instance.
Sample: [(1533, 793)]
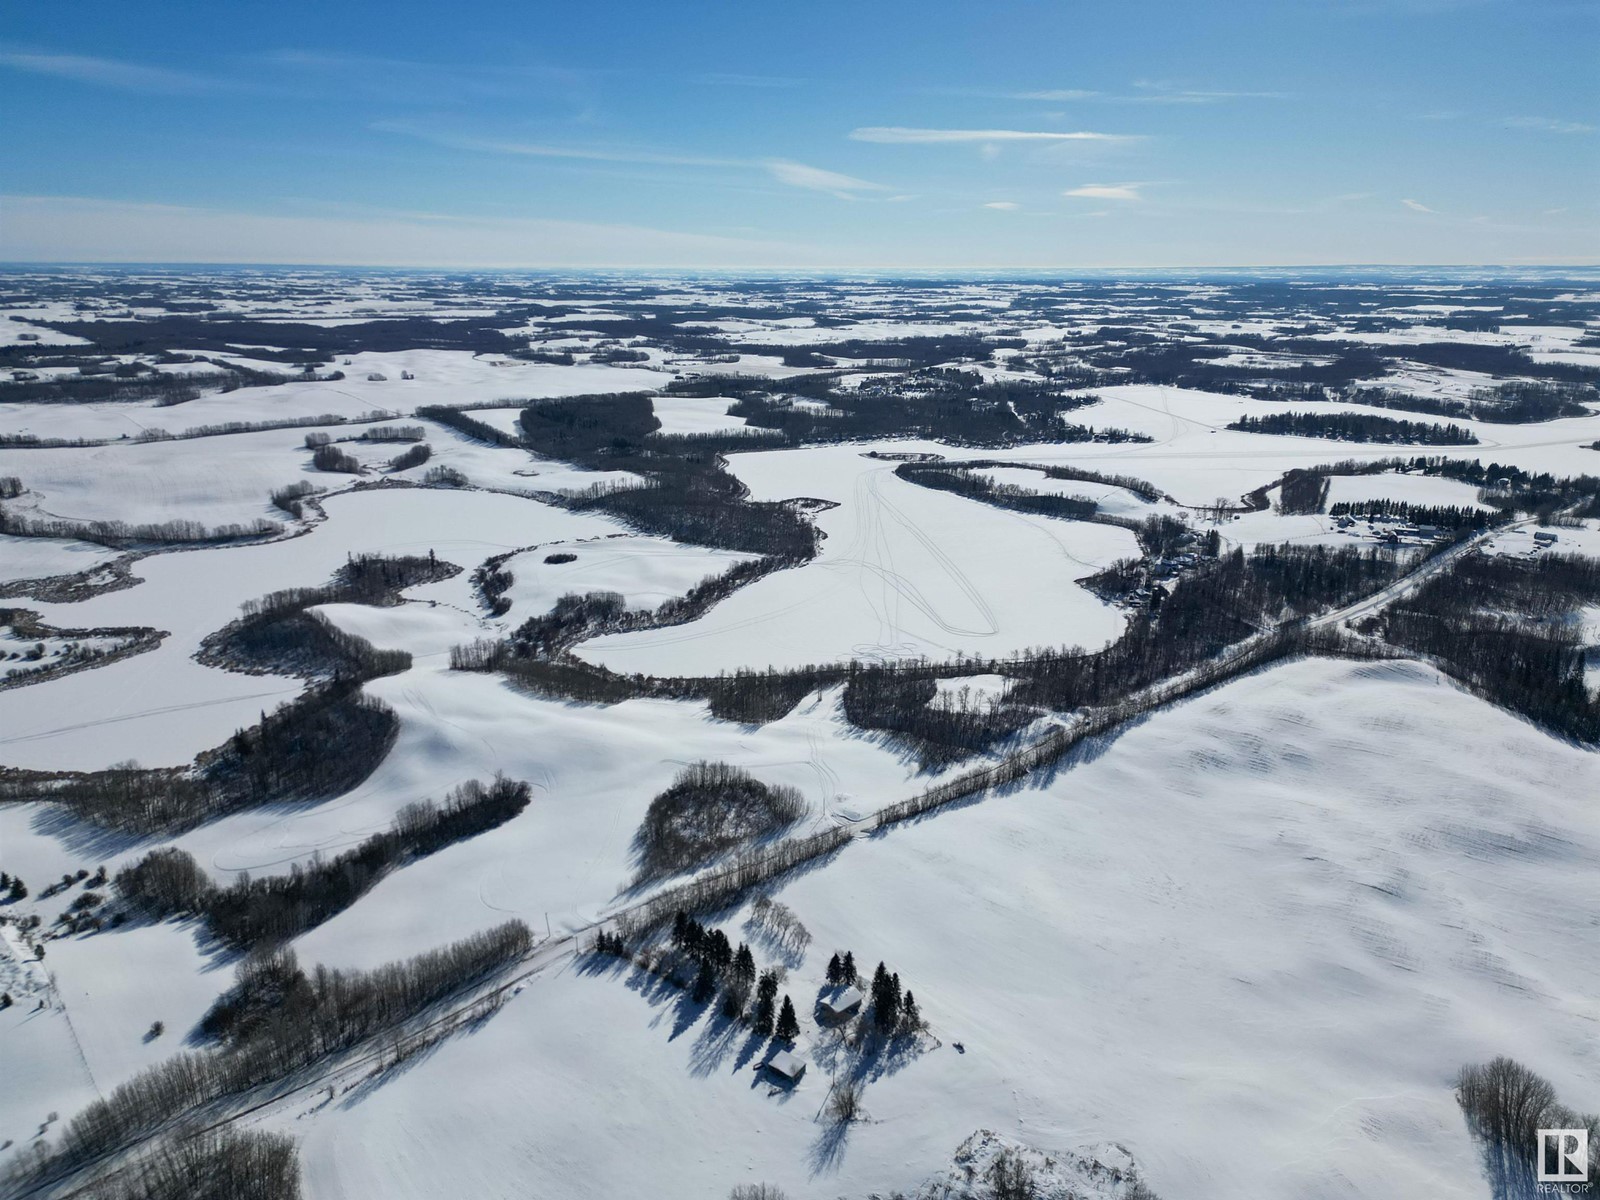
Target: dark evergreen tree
[(705, 984), (835, 967), (847, 968), (788, 1027)]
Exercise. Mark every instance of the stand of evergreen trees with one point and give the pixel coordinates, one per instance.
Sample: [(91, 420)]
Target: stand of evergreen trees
[(1452, 517)]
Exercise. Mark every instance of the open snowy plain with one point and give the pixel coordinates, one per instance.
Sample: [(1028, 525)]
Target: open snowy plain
[(1212, 885)]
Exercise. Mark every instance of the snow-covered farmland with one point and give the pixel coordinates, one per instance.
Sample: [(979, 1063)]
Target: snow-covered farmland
[(1294, 907), (1244, 940), (904, 572), (163, 707)]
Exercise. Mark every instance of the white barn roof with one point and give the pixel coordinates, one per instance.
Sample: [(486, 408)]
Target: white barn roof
[(788, 1065), (844, 1001)]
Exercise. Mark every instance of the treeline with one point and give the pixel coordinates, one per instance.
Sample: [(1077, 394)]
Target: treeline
[(899, 699), (1355, 427), (121, 534), (322, 744), (328, 457), (253, 912), (28, 441), (689, 496), (1507, 628), (1223, 601), (276, 1020), (1518, 402), (1504, 486), (1302, 491), (304, 342), (470, 426), (943, 403), (974, 486), (1506, 1105), (413, 457), (276, 635), (709, 809), (224, 1163)]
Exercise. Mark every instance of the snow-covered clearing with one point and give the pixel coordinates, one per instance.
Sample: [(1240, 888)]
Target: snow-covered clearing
[(904, 571), (698, 414), (1428, 490), (644, 570), (38, 558)]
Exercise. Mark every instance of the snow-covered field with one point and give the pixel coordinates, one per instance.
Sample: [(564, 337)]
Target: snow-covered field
[(1245, 941), (904, 572)]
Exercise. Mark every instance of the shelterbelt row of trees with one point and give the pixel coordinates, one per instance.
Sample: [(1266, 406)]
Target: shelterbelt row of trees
[(252, 912)]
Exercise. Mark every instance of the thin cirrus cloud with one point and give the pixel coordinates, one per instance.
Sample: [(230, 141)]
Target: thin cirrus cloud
[(1106, 191), (1547, 125), (1418, 206), (110, 72), (903, 135), (1003, 205), (1152, 93), (781, 170)]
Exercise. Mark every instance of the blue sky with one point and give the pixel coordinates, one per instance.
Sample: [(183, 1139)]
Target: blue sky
[(995, 134)]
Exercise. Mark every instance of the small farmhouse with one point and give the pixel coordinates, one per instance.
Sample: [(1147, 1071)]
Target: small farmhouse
[(845, 1004), (786, 1066)]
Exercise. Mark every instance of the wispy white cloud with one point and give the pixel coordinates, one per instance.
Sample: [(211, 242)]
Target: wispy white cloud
[(110, 72), (1147, 92), (900, 134), (1157, 92), (1547, 125), (781, 170), (819, 180), (1003, 205), (1056, 95), (1417, 206), (1106, 191)]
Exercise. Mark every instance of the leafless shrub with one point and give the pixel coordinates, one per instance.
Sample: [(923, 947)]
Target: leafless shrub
[(844, 1105), (1011, 1178)]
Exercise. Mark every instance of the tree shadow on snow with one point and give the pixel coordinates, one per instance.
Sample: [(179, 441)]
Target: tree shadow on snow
[(57, 821)]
